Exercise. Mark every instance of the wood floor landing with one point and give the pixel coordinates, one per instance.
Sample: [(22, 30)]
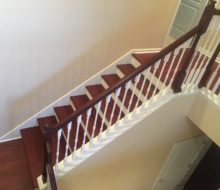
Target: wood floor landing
[(14, 171)]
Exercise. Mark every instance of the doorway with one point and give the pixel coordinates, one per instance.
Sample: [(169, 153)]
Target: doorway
[(188, 16)]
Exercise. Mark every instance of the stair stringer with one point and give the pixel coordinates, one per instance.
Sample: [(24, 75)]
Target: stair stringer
[(48, 110), (109, 135)]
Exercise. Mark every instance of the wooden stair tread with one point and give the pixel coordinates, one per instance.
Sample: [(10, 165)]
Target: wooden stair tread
[(64, 111), (46, 121), (111, 79), (95, 90), (144, 57), (34, 150), (14, 170), (126, 68), (79, 100)]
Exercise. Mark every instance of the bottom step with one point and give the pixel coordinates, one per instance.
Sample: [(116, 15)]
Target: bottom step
[(34, 150), (14, 171)]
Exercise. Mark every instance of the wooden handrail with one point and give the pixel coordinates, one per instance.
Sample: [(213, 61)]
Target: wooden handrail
[(129, 77)]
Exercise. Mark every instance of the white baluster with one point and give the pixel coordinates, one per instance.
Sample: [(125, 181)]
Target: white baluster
[(202, 66), (59, 133), (215, 87), (79, 120), (185, 46), (118, 91), (137, 79), (88, 114), (95, 122), (214, 74), (190, 70), (155, 67), (175, 53), (69, 127), (108, 99), (146, 72), (127, 86), (166, 59), (194, 71)]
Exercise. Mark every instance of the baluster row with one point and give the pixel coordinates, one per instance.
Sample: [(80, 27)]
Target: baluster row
[(201, 56)]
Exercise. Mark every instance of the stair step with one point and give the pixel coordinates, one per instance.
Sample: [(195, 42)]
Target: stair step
[(62, 112), (96, 90), (78, 102), (144, 57), (51, 121), (14, 170), (111, 79), (34, 149), (126, 69)]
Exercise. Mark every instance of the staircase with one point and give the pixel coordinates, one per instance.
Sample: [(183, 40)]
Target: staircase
[(85, 120)]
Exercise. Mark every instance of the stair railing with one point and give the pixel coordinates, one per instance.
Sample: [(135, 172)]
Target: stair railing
[(169, 66)]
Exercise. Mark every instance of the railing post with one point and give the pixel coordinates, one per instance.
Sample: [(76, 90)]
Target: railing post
[(48, 150), (207, 73), (204, 23), (48, 162)]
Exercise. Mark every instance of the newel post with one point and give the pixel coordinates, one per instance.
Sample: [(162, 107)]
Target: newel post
[(204, 24), (208, 70), (47, 150)]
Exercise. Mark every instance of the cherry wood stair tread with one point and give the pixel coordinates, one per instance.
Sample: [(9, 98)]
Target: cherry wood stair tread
[(64, 111), (34, 150), (14, 170), (51, 121), (81, 100), (96, 90), (111, 79), (126, 68), (144, 57)]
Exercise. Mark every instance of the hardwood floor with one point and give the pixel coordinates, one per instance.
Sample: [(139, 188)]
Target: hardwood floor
[(14, 171)]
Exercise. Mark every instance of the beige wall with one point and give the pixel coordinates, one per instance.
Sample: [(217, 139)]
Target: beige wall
[(48, 47), (133, 161), (206, 116)]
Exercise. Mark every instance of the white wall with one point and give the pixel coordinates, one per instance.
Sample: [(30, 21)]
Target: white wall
[(48, 47), (134, 160)]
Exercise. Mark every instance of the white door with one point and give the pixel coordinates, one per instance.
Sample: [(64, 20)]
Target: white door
[(187, 16), (181, 162)]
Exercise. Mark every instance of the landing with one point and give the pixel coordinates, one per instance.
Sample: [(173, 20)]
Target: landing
[(14, 171)]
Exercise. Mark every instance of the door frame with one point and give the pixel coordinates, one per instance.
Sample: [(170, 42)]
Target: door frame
[(172, 21)]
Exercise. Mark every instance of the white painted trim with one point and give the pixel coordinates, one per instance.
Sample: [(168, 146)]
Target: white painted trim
[(149, 50)]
